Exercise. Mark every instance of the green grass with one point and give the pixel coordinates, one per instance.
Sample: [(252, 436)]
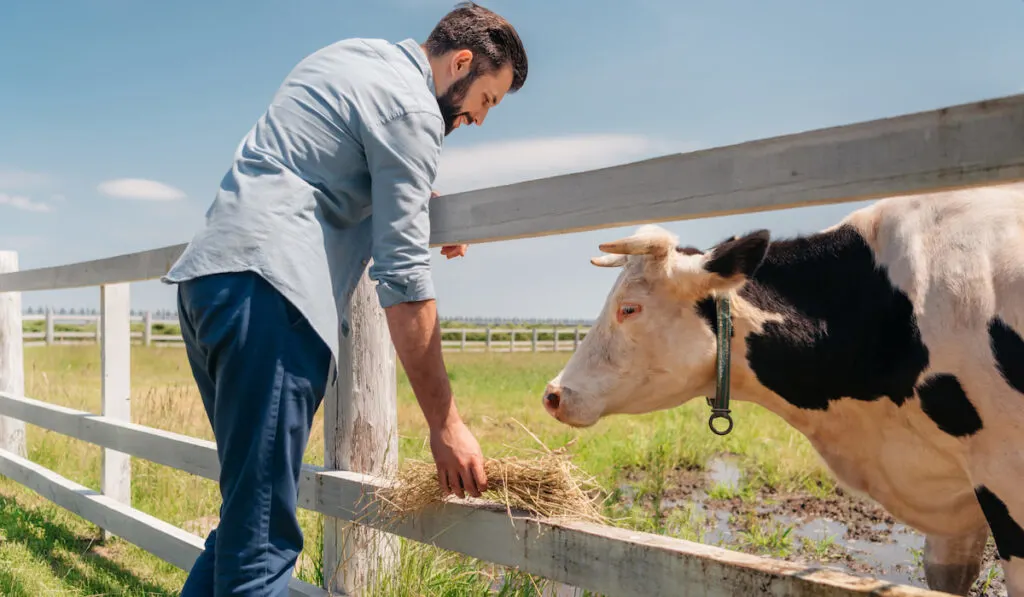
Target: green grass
[(47, 551)]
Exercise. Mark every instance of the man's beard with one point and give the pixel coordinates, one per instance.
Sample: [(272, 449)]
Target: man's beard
[(451, 102)]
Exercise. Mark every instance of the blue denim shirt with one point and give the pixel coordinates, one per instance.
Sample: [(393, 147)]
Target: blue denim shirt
[(338, 170)]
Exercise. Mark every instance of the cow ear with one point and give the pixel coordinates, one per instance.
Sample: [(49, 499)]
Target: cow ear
[(738, 257)]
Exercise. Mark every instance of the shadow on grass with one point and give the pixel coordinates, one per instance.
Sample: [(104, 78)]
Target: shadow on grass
[(83, 568)]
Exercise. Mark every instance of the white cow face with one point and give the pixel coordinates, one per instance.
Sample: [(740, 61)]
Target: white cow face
[(650, 349)]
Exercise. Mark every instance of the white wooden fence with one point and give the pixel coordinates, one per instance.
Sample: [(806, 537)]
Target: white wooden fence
[(972, 144), (494, 339)]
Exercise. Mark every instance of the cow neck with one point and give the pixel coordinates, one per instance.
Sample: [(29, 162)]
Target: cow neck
[(723, 360)]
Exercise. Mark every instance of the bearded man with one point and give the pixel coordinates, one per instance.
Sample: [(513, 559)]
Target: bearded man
[(338, 170)]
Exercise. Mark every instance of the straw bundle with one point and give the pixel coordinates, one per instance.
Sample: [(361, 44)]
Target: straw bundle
[(548, 486)]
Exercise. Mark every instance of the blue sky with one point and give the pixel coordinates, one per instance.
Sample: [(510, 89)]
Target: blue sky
[(126, 114)]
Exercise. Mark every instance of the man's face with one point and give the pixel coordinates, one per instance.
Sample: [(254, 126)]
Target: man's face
[(469, 98)]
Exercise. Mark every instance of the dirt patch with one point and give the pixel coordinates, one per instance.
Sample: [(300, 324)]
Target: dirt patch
[(840, 530)]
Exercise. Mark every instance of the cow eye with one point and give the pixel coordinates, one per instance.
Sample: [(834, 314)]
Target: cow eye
[(627, 310)]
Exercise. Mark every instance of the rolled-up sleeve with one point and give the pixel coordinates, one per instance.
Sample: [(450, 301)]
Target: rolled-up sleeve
[(402, 155)]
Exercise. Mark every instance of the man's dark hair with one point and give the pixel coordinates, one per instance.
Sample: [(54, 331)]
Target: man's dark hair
[(486, 34)]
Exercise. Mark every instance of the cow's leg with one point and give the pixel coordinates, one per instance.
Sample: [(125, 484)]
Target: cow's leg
[(1007, 533), (952, 563)]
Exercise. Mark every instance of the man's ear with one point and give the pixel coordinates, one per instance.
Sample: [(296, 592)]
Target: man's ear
[(739, 257), (462, 60)]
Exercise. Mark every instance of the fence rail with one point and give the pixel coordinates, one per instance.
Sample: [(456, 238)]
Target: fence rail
[(472, 339), (958, 146)]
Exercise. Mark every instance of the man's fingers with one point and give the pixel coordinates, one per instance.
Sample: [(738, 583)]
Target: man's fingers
[(458, 484), (469, 482), (479, 475), (452, 251)]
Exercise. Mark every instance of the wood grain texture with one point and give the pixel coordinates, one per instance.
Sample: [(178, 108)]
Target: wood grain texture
[(972, 144), (361, 435), (12, 359), (162, 539)]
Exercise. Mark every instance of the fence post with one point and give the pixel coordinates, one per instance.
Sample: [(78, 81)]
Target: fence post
[(12, 359), (49, 326), (147, 328), (554, 332), (114, 332), (487, 345), (361, 435), (462, 344)]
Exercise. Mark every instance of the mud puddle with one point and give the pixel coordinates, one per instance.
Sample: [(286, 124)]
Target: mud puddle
[(840, 531)]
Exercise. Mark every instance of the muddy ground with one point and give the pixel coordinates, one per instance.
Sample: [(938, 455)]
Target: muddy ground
[(841, 531)]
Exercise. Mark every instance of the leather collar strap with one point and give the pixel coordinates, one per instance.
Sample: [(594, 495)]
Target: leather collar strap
[(720, 404)]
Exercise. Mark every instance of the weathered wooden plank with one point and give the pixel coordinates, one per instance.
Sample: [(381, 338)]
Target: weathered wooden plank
[(12, 364), (130, 267), (971, 144), (361, 434), (607, 560), (115, 374), (162, 539), (175, 450)]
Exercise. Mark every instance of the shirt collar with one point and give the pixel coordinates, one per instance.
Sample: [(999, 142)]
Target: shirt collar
[(419, 58)]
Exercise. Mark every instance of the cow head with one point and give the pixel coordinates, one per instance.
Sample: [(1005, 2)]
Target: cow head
[(650, 348)]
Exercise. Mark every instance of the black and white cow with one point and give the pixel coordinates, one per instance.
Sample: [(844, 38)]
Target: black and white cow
[(891, 340)]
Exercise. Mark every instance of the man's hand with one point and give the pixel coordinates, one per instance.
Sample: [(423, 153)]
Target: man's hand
[(416, 334), (460, 464), (450, 251)]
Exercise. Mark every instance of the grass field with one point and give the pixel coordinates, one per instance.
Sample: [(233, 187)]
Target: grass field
[(761, 489)]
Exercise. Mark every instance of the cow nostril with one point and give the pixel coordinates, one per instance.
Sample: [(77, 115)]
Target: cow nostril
[(553, 399)]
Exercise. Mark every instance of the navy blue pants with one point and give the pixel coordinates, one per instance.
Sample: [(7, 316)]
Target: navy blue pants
[(262, 372)]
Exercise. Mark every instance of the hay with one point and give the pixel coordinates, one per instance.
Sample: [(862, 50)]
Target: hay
[(549, 486)]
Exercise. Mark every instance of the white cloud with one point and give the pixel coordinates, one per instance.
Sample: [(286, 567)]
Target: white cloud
[(492, 164), (23, 203), (140, 188)]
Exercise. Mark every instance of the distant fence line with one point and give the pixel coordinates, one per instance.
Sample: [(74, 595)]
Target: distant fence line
[(172, 315), (148, 329)]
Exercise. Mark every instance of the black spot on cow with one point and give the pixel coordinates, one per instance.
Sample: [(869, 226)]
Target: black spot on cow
[(706, 309), (1008, 349), (847, 331), (738, 255), (1007, 533), (944, 401)]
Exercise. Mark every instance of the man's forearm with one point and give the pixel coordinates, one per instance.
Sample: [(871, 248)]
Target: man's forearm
[(416, 334)]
